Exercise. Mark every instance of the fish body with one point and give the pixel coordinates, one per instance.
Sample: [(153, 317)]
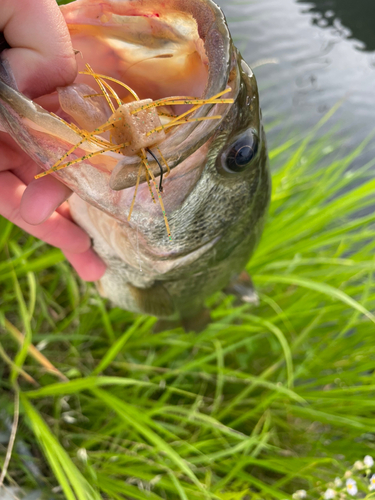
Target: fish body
[(217, 193)]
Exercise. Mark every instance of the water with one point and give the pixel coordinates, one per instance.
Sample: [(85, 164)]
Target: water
[(322, 52)]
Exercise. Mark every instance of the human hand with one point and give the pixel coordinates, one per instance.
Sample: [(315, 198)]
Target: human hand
[(41, 58)]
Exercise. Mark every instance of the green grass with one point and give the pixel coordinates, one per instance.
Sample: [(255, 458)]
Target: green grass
[(265, 401)]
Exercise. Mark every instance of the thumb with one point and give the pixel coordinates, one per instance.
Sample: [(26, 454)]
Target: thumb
[(40, 56)]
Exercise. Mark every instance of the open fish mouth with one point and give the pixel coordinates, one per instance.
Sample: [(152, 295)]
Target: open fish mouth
[(158, 49)]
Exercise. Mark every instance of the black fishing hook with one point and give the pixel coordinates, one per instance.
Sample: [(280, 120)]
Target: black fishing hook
[(161, 169)]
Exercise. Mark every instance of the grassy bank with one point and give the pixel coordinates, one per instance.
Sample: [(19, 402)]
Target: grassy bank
[(266, 401)]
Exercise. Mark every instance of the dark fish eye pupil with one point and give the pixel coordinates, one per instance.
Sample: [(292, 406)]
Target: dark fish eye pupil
[(242, 152), (244, 155)]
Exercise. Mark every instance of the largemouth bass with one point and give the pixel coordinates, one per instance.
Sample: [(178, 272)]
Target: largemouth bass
[(217, 193)]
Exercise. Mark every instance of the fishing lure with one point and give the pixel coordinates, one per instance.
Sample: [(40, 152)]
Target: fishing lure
[(134, 128)]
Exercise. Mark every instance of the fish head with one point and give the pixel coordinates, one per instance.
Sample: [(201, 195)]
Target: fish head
[(217, 191)]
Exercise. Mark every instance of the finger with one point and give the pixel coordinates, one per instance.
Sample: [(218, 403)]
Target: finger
[(41, 198), (11, 155), (13, 158), (64, 210), (88, 265), (41, 54), (57, 230)]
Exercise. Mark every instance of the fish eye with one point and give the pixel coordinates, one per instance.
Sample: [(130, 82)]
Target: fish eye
[(241, 153)]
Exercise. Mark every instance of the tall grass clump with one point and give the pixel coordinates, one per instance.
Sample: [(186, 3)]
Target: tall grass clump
[(268, 402)]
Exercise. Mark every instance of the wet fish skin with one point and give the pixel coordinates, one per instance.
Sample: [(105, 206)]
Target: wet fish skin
[(216, 217)]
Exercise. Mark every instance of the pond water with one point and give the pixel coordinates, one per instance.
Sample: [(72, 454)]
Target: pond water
[(307, 56)]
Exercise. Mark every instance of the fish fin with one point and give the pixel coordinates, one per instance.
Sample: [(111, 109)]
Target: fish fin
[(195, 324), (154, 300), (242, 287), (166, 324)]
